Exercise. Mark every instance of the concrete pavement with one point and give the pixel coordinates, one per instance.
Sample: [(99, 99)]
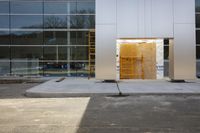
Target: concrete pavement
[(41, 115), (102, 114), (84, 87)]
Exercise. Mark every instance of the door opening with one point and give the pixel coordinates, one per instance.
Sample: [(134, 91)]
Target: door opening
[(140, 59)]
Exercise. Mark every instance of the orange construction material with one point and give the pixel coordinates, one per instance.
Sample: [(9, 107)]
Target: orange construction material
[(138, 61)]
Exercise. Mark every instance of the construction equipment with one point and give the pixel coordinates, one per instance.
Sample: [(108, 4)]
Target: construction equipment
[(91, 53)]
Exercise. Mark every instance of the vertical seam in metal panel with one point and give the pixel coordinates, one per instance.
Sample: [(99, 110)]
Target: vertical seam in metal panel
[(173, 16), (116, 19), (116, 34), (144, 30), (138, 11), (151, 19), (145, 19)]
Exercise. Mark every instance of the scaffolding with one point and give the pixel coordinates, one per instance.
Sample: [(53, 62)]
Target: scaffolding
[(91, 53)]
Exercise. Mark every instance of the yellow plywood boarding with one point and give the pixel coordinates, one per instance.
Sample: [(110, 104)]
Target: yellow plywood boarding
[(149, 53), (138, 61)]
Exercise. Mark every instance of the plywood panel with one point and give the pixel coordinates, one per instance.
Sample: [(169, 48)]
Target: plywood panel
[(149, 54), (138, 61)]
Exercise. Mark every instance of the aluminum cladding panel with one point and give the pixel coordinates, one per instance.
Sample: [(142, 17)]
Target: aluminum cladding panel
[(106, 52), (106, 11), (184, 52)]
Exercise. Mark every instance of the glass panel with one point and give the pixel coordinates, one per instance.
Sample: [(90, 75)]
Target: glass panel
[(197, 5), (55, 68), (198, 52), (55, 53), (73, 36), (166, 41), (50, 53), (55, 37), (85, 7), (198, 36), (27, 38), (26, 67), (73, 22), (198, 68), (26, 21), (4, 6), (4, 67), (166, 68), (62, 53), (72, 7), (82, 38), (33, 53), (4, 53), (4, 38), (197, 20), (78, 38), (79, 69), (90, 22), (26, 7), (55, 22), (166, 52), (55, 8), (79, 53), (82, 22), (4, 21)]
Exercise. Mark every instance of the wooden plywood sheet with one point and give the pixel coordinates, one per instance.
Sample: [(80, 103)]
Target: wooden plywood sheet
[(138, 61)]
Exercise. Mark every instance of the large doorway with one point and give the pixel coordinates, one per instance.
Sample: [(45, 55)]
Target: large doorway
[(140, 58)]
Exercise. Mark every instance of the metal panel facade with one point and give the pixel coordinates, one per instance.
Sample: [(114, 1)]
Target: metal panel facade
[(183, 65), (146, 19), (184, 52), (127, 18), (162, 18), (105, 39)]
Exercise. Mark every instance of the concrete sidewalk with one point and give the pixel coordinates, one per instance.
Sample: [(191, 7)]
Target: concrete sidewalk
[(85, 87)]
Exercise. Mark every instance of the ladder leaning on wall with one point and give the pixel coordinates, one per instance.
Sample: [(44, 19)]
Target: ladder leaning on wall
[(91, 53)]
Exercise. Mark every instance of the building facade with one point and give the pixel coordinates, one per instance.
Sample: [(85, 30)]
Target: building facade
[(52, 38), (45, 37), (145, 19)]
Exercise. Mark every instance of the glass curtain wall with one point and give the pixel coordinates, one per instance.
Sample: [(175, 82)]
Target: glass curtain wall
[(45, 37), (198, 36)]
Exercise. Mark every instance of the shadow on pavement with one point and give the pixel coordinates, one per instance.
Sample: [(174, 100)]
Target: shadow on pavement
[(142, 114)]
